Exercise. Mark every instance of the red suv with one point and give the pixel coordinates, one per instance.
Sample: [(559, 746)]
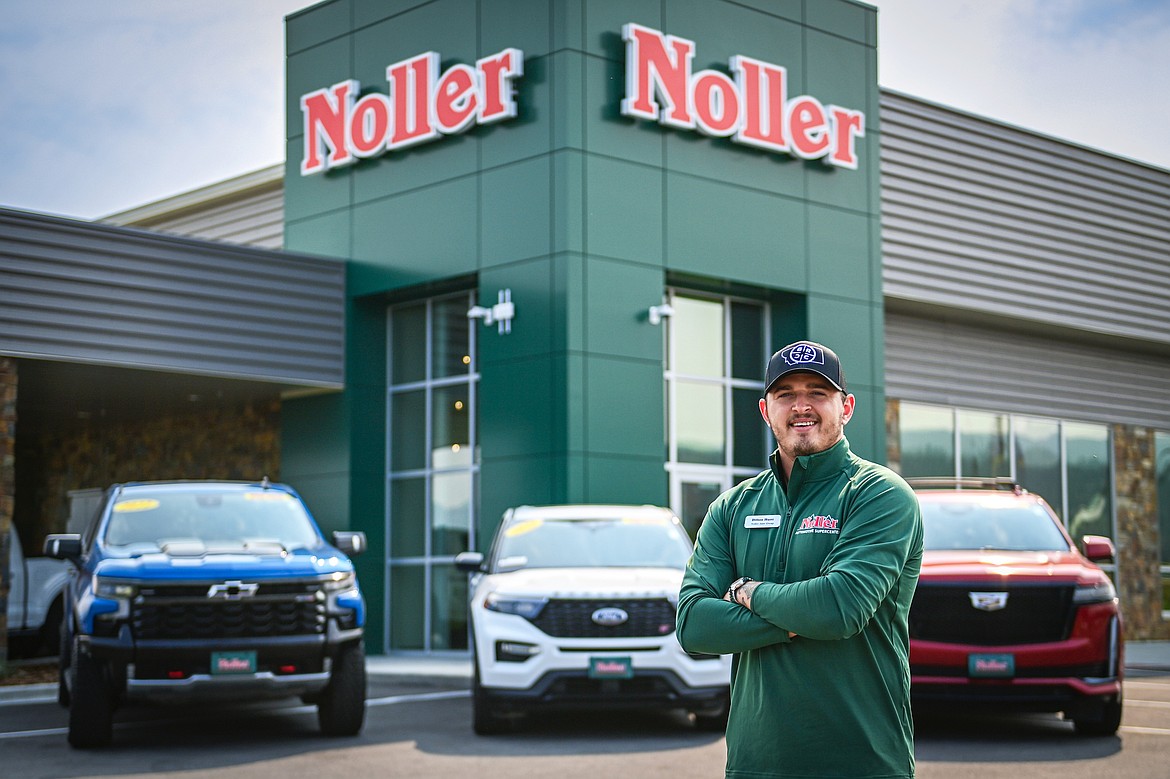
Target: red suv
[(1009, 612)]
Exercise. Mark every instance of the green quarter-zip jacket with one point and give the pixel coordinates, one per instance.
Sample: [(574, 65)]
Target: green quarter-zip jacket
[(838, 554)]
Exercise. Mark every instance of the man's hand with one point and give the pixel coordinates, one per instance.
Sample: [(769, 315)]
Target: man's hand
[(743, 595)]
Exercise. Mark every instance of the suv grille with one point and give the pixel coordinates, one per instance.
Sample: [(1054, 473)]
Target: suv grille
[(1032, 615), (574, 618), (185, 611)]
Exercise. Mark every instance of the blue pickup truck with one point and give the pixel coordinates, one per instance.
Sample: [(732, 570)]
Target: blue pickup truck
[(202, 590)]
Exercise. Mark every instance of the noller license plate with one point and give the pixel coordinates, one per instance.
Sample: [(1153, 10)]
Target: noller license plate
[(233, 662), (991, 666), (610, 668)]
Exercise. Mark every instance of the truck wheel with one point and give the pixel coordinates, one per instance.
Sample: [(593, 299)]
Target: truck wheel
[(341, 709), (485, 721), (51, 630), (91, 710), (64, 663), (1104, 720)]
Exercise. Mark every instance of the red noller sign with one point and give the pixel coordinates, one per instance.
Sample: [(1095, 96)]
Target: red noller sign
[(752, 108), (421, 105)]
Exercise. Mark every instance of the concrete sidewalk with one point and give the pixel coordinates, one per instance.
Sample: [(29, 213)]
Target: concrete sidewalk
[(1139, 656)]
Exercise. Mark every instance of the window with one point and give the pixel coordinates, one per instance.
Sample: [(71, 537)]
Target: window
[(716, 351), (1067, 463), (431, 470)]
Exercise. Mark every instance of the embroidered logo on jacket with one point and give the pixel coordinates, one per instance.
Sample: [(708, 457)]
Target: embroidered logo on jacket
[(817, 524)]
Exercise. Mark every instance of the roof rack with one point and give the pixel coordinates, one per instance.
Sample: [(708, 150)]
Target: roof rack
[(1003, 483)]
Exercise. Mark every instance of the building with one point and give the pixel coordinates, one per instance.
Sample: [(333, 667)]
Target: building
[(560, 242)]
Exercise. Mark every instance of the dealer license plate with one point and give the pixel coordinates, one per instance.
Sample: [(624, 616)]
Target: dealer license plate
[(233, 662), (991, 666), (610, 668)]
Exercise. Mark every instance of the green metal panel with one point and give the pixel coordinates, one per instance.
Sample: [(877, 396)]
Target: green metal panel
[(624, 206), (723, 231), (607, 132), (635, 480), (617, 298), (529, 132), (839, 252), (604, 20), (432, 233), (516, 212), (523, 24)]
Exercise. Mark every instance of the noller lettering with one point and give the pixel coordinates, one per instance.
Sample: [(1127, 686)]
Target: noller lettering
[(752, 108), (421, 104)]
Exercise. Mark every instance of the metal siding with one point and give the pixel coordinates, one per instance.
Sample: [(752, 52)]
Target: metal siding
[(84, 292), (257, 220), (987, 218), (959, 364)]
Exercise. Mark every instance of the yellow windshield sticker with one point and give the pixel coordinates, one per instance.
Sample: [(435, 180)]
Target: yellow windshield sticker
[(521, 528), (141, 504)]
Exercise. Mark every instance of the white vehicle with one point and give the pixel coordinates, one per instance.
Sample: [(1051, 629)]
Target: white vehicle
[(574, 607), (34, 596)]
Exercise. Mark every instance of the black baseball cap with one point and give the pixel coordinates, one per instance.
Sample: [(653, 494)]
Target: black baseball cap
[(805, 357)]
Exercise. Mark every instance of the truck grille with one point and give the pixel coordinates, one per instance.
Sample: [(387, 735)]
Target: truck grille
[(571, 618), (186, 612), (1032, 615)]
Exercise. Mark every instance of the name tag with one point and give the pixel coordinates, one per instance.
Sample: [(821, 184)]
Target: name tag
[(762, 520)]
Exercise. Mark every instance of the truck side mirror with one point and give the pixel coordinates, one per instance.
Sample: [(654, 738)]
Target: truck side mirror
[(63, 546), (351, 542)]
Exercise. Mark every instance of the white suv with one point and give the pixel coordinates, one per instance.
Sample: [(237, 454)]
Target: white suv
[(574, 607)]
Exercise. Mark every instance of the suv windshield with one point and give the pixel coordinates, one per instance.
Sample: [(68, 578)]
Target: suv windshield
[(990, 525), (577, 543), (209, 519)]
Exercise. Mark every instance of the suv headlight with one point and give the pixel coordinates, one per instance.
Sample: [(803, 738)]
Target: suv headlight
[(1100, 592), (114, 588), (529, 608)]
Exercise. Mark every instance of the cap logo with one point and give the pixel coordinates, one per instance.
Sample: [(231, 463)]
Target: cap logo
[(803, 354)]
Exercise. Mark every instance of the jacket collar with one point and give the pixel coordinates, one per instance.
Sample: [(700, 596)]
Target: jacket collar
[(811, 467)]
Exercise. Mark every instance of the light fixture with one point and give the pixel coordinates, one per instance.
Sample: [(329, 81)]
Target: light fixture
[(658, 313), (500, 314)]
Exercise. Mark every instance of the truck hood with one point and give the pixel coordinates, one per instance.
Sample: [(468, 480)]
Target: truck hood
[(587, 582), (966, 565), (158, 566)]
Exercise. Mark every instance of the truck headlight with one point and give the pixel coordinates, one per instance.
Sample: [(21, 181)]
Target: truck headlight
[(115, 589), (340, 581)]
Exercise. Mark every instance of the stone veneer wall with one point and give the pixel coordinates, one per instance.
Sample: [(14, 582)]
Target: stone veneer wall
[(1139, 575), (8, 378), (227, 443)]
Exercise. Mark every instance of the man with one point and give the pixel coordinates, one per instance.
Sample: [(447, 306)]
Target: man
[(806, 572)]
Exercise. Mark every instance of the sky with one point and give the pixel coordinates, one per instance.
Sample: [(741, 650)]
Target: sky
[(106, 105)]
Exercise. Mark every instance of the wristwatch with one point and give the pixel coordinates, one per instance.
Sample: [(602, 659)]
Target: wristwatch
[(733, 590)]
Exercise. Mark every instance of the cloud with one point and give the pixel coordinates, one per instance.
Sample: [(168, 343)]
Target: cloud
[(1080, 70), (113, 104)]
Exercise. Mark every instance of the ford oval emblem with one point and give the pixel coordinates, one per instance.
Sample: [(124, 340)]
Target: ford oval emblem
[(610, 616)]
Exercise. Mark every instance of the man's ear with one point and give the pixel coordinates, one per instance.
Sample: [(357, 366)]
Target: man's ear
[(850, 402), (764, 409)]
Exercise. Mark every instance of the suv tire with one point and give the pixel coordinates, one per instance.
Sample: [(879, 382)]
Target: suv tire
[(341, 708), (485, 721), (91, 706), (1104, 720)]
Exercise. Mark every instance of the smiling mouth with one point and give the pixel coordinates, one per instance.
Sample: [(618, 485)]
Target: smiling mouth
[(804, 424)]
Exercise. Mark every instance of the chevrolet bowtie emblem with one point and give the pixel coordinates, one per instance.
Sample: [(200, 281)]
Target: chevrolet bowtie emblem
[(232, 590)]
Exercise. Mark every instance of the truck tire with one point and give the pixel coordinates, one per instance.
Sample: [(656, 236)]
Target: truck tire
[(91, 708), (341, 709), (64, 663)]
